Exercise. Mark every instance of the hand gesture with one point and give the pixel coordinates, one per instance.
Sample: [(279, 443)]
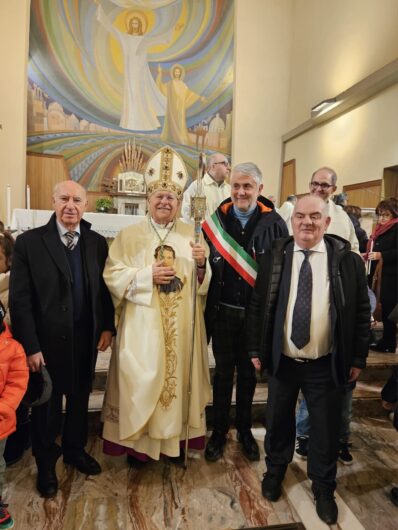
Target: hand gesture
[(162, 274)]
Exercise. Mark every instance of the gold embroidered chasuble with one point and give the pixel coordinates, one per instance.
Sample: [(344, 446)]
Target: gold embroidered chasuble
[(147, 387)]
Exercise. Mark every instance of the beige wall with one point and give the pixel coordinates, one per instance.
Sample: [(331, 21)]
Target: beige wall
[(262, 65), (357, 145), (336, 44), (14, 21)]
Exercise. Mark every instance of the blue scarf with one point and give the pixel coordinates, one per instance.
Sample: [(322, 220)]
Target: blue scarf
[(244, 216)]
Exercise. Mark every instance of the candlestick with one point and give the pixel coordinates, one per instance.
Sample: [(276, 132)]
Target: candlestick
[(28, 197), (8, 206)]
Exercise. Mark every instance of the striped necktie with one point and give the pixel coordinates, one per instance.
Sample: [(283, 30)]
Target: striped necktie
[(70, 240)]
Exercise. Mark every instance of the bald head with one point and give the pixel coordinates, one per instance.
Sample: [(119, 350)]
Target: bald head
[(70, 185), (309, 221)]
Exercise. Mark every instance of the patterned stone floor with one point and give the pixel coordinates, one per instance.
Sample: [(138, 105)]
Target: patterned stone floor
[(221, 495)]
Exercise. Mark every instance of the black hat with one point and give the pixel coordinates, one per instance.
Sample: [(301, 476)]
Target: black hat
[(40, 388)]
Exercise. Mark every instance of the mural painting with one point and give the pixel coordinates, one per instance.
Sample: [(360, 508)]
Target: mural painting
[(106, 75)]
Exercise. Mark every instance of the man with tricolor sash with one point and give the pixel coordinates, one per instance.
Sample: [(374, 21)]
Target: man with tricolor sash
[(239, 232)]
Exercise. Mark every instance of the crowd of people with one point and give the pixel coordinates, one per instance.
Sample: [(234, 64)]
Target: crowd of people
[(288, 292)]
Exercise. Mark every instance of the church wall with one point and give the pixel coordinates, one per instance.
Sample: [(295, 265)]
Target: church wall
[(289, 55), (357, 145), (262, 40), (14, 21), (262, 67), (337, 44)]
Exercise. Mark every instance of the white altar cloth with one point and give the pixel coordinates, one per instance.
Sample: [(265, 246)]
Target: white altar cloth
[(107, 224)]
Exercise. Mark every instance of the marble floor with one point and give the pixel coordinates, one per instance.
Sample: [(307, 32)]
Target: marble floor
[(207, 496)]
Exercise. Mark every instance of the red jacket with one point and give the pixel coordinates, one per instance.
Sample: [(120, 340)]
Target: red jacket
[(14, 375)]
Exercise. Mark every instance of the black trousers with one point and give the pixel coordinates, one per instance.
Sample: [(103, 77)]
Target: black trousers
[(229, 352), (324, 406), (389, 338), (47, 418)]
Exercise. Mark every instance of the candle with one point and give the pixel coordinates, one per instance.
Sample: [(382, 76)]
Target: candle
[(8, 206), (28, 197)]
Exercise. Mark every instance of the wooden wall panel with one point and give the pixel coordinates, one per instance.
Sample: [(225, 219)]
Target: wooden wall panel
[(364, 194), (43, 171)]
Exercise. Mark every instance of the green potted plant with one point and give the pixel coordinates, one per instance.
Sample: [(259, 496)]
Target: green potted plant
[(103, 204)]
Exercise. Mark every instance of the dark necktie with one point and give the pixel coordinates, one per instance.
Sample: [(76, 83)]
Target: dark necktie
[(70, 240), (302, 308)]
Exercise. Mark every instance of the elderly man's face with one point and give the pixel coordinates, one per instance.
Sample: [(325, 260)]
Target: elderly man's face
[(321, 185), (70, 203), (309, 222), (244, 191), (163, 206)]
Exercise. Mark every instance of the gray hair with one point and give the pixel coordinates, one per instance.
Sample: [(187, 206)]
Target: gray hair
[(212, 158), (331, 172), (250, 169)]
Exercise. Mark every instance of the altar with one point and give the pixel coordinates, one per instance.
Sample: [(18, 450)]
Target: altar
[(106, 224)]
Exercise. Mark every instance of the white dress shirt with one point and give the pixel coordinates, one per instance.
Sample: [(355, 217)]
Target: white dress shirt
[(214, 193), (320, 342)]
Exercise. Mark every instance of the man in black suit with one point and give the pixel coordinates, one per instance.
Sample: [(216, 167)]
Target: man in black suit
[(308, 324), (62, 313)]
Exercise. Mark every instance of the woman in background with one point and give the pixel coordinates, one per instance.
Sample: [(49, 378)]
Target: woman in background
[(383, 252)]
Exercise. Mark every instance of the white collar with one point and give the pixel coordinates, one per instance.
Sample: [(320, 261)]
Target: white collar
[(319, 247), (62, 230)]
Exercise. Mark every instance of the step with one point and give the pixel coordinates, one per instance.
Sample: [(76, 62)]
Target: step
[(366, 397)]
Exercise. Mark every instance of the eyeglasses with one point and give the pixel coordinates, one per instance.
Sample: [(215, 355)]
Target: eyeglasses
[(322, 185), (224, 163), (385, 215)]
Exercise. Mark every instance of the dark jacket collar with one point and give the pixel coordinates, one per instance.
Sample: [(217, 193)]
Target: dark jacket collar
[(54, 244), (335, 243), (264, 205)]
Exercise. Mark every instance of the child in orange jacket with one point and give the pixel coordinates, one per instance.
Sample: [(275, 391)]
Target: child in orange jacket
[(13, 383)]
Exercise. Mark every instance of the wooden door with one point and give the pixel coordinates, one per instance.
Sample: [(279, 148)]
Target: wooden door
[(288, 182), (390, 182)]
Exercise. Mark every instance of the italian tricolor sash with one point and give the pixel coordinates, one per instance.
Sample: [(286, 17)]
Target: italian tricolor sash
[(226, 245)]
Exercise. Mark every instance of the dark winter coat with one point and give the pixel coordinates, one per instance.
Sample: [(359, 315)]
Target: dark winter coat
[(269, 226), (41, 302)]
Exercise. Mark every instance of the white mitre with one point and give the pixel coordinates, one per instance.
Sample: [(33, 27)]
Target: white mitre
[(166, 171)]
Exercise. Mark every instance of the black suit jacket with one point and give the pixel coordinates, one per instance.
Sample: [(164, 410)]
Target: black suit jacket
[(41, 303)]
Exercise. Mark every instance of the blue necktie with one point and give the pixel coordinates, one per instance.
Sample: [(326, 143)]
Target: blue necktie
[(302, 308)]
